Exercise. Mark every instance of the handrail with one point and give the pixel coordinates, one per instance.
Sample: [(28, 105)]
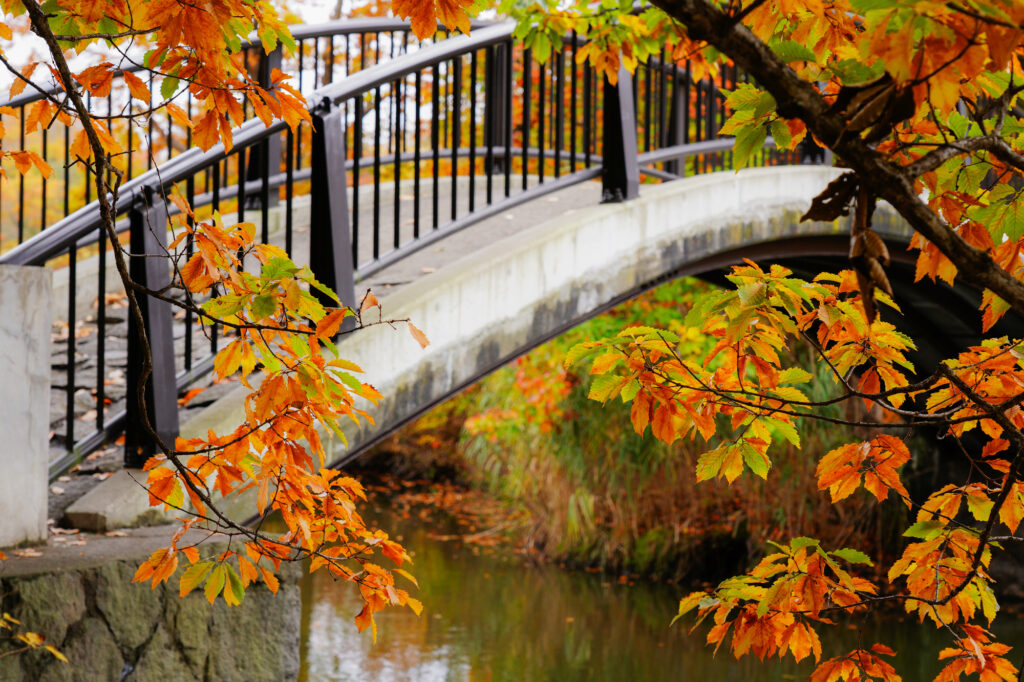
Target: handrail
[(379, 74), (55, 239), (337, 27)]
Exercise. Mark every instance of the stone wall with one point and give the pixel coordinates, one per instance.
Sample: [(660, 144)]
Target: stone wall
[(112, 629)]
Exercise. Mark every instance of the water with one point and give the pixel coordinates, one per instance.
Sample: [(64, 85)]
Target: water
[(491, 616)]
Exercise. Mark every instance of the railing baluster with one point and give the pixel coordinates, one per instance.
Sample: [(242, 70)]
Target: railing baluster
[(357, 155), (542, 82), (527, 85), (559, 93), (289, 191), (472, 130), (589, 113), (505, 49), (376, 172), (572, 105), (101, 326), (397, 136), (21, 181), (456, 130), (69, 384), (435, 123), (190, 197), (677, 119), (416, 159)]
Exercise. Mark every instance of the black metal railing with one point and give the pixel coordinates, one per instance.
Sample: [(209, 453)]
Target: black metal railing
[(405, 151)]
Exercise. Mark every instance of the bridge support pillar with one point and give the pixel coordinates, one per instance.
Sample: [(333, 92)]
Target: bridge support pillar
[(330, 244), (149, 268), (24, 401), (620, 174)]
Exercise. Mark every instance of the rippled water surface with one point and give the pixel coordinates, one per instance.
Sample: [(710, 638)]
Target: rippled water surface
[(491, 617)]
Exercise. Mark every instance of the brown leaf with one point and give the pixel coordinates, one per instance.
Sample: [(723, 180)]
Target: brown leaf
[(875, 247), (834, 201)]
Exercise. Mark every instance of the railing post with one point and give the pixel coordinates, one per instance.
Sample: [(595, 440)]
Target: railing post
[(496, 93), (620, 173), (678, 117), (330, 242), (265, 158), (150, 268)]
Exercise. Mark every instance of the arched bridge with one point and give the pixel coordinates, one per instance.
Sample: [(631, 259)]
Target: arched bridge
[(494, 200)]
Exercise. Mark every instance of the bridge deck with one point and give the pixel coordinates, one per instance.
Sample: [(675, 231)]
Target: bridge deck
[(384, 283)]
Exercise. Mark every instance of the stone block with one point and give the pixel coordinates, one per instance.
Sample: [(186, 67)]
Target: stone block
[(129, 608), (121, 501), (92, 654), (161, 662), (24, 402), (50, 603)]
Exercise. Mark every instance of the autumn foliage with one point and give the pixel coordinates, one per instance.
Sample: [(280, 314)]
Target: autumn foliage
[(920, 102)]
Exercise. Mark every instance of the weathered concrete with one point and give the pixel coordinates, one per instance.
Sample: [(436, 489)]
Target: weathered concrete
[(24, 402), (82, 600)]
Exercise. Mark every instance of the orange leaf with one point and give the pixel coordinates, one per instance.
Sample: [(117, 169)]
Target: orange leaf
[(19, 83), (369, 301), (328, 326), (420, 337), (136, 86)]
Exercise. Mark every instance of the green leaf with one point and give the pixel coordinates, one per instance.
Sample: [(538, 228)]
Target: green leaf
[(630, 390), (756, 461), (780, 134), (744, 96), (794, 375), (1003, 216), (278, 268), (797, 544), (578, 352), (710, 463), (652, 331), (215, 583), (749, 140), (925, 530), (193, 575), (753, 293), (169, 87), (606, 387), (263, 306), (852, 556), (792, 51), (235, 592), (958, 124)]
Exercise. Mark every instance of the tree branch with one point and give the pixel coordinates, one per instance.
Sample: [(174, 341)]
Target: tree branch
[(797, 98)]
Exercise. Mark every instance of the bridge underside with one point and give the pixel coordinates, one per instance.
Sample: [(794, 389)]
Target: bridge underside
[(497, 303)]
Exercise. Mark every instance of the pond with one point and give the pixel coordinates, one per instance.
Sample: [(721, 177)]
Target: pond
[(494, 616)]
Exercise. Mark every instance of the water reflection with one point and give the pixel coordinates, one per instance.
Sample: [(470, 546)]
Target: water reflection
[(491, 617)]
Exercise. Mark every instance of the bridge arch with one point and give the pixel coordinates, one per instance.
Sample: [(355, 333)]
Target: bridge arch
[(500, 301)]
